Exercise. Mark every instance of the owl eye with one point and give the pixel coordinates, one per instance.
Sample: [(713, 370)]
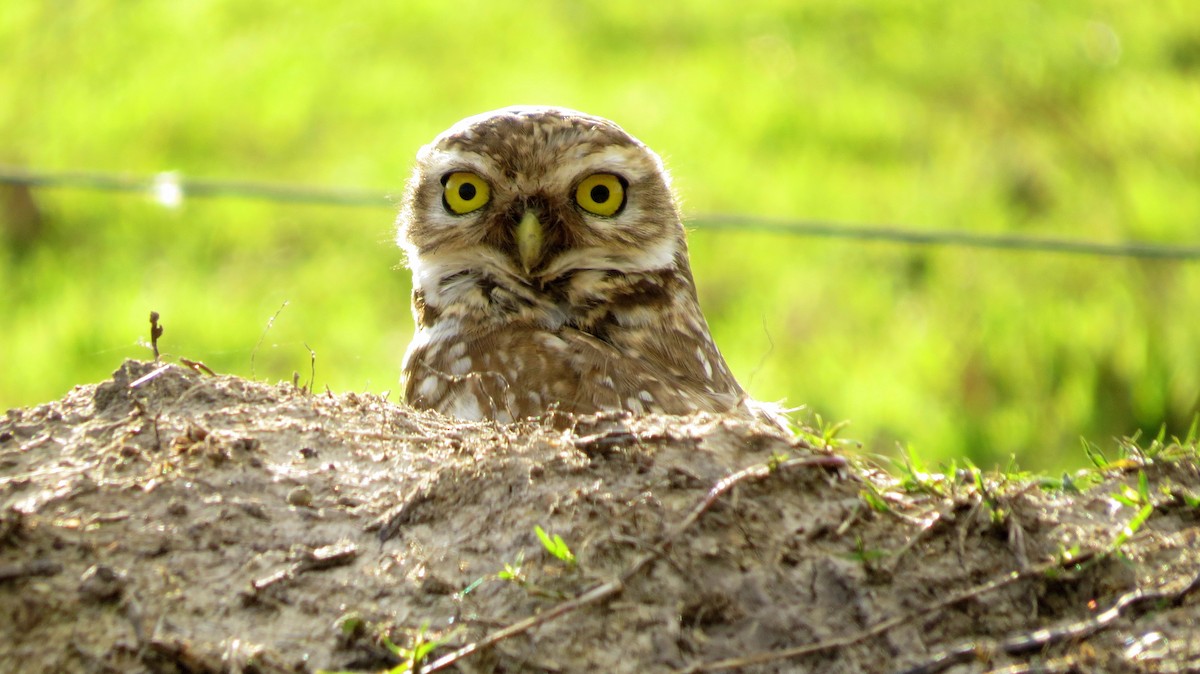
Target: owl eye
[(601, 193), (464, 192)]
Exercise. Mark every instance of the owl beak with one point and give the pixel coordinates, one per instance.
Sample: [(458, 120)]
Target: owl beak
[(530, 237)]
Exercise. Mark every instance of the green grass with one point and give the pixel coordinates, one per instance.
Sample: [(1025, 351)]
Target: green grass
[(1072, 119)]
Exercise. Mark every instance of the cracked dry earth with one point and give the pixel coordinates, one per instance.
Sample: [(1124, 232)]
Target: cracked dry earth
[(167, 521)]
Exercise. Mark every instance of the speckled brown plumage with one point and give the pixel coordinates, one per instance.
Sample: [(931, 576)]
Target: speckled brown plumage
[(533, 301)]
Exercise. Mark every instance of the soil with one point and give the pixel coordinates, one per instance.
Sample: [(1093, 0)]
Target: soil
[(171, 521)]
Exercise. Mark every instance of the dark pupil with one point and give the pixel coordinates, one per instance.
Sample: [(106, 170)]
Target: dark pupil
[(599, 194), (466, 191)]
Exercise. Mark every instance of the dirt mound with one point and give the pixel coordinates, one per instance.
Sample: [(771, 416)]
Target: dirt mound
[(170, 521)]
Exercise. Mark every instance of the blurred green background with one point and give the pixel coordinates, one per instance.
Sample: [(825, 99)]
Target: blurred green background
[(1064, 119)]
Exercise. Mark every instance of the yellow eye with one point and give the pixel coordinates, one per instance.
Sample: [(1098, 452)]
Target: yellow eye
[(601, 194), (465, 192)]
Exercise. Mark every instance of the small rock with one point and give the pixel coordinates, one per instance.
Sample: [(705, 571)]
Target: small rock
[(101, 583), (300, 497), (255, 509)]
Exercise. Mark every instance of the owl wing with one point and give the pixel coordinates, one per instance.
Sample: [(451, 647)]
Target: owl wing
[(664, 374), (523, 371)]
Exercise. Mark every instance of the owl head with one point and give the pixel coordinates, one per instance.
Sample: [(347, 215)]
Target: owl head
[(550, 272), (530, 195)]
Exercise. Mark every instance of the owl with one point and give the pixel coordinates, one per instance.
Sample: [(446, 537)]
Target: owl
[(550, 272)]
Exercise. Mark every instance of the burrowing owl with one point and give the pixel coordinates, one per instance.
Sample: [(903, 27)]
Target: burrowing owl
[(550, 270)]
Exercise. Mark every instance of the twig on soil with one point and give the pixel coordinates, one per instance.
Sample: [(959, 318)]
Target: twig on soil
[(615, 586), (325, 557), (596, 594), (1038, 639), (843, 642), (606, 442), (966, 650), (880, 628), (152, 374), (198, 367), (757, 472), (1016, 533), (1069, 664), (109, 518), (38, 567), (926, 527), (62, 472)]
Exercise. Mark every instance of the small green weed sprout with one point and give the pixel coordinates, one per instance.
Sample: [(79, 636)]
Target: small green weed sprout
[(865, 555), (351, 624), (776, 460), (411, 658), (1134, 498), (1067, 556), (414, 657), (1160, 448), (1140, 499), (555, 545), (512, 571), (1189, 499), (1132, 528), (823, 434), (874, 499), (915, 477)]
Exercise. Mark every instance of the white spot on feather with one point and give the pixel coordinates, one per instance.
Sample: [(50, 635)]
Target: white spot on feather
[(551, 341), (466, 407), (429, 387), (704, 362), (461, 366)]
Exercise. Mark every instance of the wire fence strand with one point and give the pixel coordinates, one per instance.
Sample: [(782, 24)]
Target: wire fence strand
[(171, 188), (947, 238)]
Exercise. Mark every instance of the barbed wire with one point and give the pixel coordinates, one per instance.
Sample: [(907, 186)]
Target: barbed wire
[(948, 238), (171, 189)]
